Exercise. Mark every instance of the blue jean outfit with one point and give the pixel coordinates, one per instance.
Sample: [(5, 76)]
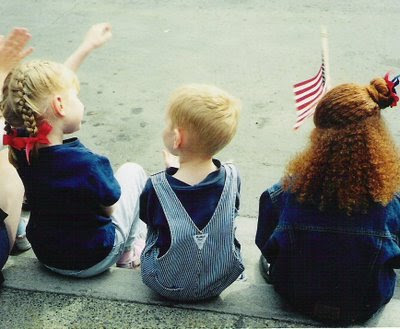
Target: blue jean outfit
[(327, 264), (200, 263), (4, 243)]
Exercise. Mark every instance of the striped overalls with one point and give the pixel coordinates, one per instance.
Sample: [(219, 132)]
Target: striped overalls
[(198, 264)]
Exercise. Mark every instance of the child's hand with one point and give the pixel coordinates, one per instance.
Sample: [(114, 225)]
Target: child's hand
[(170, 160), (97, 35), (12, 49)]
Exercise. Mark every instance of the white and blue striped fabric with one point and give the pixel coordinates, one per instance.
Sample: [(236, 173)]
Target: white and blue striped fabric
[(199, 263)]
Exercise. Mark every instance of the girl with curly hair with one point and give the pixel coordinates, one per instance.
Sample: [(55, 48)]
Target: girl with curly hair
[(329, 231)]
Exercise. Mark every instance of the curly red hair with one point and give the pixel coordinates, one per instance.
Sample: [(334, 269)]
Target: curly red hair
[(351, 160)]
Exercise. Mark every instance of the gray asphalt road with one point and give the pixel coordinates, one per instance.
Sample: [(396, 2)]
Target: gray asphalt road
[(254, 49)]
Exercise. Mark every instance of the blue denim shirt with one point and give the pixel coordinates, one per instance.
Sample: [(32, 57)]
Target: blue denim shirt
[(329, 264)]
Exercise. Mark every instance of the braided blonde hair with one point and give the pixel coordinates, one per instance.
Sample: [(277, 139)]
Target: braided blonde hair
[(28, 91)]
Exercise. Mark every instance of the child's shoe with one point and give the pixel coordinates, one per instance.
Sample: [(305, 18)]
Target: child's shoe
[(131, 258), (138, 246), (22, 243), (126, 260), (265, 269)]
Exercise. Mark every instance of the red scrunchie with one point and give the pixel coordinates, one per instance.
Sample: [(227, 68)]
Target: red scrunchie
[(391, 85), (28, 143)]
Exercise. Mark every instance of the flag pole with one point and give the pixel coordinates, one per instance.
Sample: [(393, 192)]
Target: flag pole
[(325, 55)]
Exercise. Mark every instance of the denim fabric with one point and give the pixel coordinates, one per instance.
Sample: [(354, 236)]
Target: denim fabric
[(334, 266), (200, 263)]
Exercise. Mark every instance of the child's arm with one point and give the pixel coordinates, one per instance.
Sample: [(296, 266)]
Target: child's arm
[(97, 36), (12, 51), (268, 216), (11, 195)]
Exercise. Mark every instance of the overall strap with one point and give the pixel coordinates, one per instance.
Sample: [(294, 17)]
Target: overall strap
[(226, 203), (170, 203)]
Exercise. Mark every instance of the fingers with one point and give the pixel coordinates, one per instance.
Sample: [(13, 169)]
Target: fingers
[(13, 48), (105, 29), (26, 52), (16, 42), (18, 37)]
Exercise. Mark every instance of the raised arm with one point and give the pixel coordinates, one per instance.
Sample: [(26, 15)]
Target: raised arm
[(97, 36), (12, 51)]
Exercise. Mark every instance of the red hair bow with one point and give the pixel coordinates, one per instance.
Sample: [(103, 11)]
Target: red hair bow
[(392, 87), (28, 143)]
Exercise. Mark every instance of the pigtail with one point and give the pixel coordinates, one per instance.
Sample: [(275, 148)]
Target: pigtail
[(22, 106)]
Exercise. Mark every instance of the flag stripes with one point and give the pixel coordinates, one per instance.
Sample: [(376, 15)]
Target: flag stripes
[(307, 95)]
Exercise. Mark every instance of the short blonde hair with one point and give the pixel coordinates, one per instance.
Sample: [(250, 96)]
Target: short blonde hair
[(208, 113)]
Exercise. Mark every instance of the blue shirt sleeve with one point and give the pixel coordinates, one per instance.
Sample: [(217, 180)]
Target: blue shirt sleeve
[(268, 215), (102, 182), (143, 205)]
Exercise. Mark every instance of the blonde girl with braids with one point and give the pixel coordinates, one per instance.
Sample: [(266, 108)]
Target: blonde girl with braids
[(83, 218), (12, 50), (330, 230)]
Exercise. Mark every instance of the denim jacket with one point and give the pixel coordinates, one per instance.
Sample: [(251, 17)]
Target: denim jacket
[(334, 266)]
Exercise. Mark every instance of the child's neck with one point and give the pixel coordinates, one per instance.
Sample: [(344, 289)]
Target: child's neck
[(193, 170), (55, 137)]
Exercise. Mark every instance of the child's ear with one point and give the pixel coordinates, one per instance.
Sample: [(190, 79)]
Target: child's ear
[(178, 138), (57, 106)]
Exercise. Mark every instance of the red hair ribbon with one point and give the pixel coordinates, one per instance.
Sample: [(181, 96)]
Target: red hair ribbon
[(392, 87), (28, 143)]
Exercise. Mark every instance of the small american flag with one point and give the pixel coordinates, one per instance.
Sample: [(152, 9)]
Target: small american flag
[(307, 95)]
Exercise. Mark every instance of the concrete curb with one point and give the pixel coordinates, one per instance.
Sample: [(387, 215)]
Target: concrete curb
[(126, 285), (242, 298)]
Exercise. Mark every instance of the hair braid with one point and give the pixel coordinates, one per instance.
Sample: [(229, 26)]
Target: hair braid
[(22, 106)]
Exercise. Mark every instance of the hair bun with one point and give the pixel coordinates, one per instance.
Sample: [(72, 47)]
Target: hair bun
[(380, 93)]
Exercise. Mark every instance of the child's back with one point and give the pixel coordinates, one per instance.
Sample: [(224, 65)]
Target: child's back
[(330, 229), (191, 252), (64, 185)]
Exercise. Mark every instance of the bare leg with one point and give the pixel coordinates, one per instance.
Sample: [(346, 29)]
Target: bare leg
[(11, 195)]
